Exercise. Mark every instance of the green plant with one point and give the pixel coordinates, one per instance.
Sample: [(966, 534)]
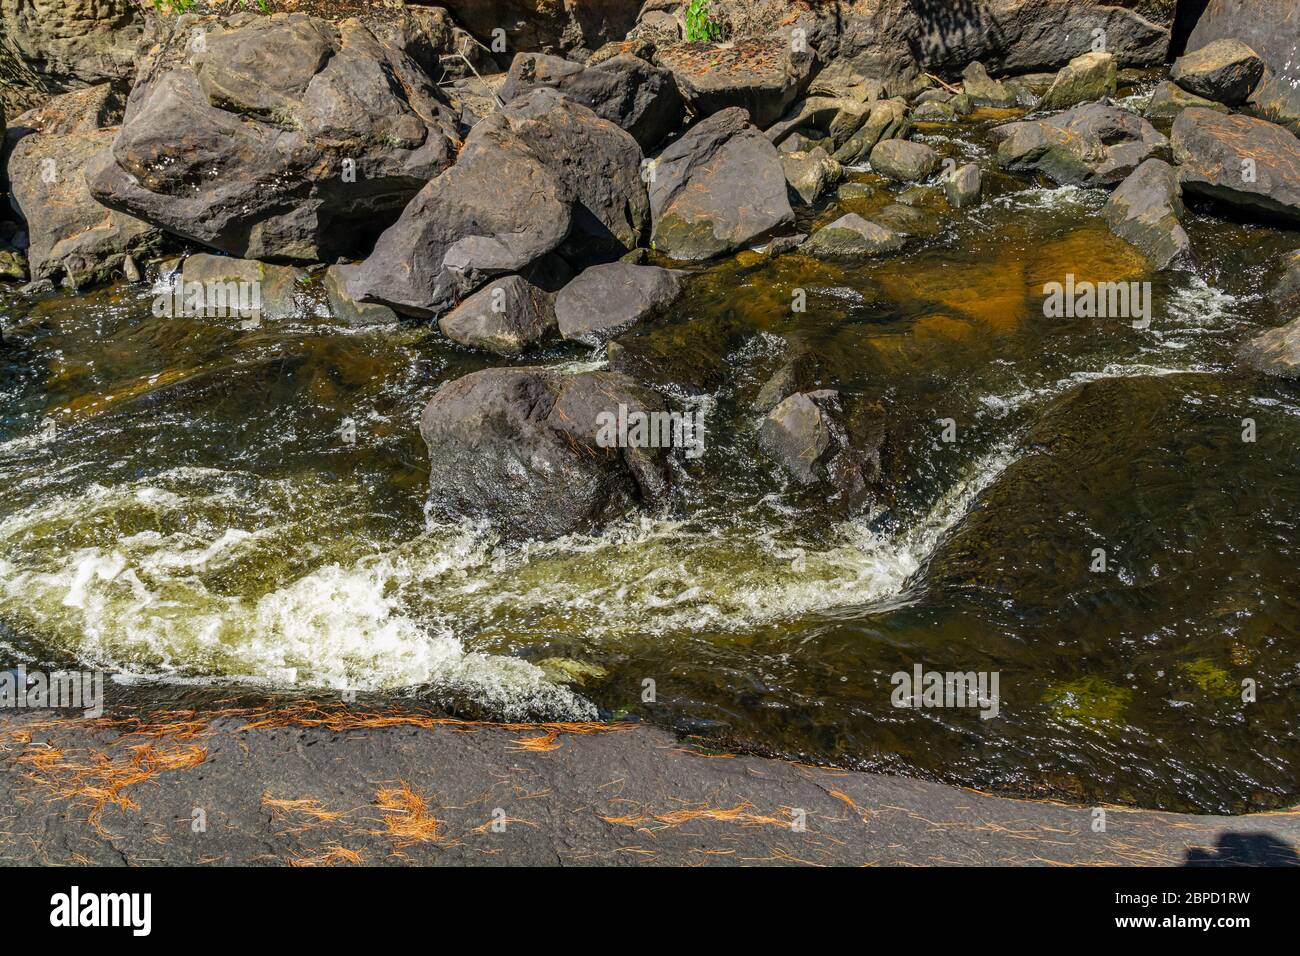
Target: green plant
[(176, 7), (699, 25)]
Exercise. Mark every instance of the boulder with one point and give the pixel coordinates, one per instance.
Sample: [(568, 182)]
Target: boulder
[(1169, 100), (903, 161), (1085, 79), (810, 174), (629, 92), (764, 76), (984, 90), (852, 238), (276, 287), (1272, 29), (719, 188), (837, 118), (546, 25), (56, 46), (887, 120), (1247, 163), (1093, 145), (935, 111), (963, 186), (822, 444), (1225, 71), (69, 234), (286, 138), (506, 316), (344, 306), (840, 79), (520, 449), (908, 220), (606, 301), (516, 194), (1146, 210), (1276, 352)]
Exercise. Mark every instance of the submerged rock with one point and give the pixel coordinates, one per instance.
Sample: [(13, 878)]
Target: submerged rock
[(626, 90), (1247, 163), (1276, 352), (287, 137), (1090, 77), (607, 300), (821, 443), (1225, 71), (763, 76), (1092, 145), (506, 316), (852, 238), (1147, 211), (521, 450), (719, 188), (903, 161)]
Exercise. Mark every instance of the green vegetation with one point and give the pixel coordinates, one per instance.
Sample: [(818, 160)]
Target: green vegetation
[(699, 25), (177, 7)]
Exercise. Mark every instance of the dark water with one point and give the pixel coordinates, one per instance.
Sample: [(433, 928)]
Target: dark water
[(195, 513)]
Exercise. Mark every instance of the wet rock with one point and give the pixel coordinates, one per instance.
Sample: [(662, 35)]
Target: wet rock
[(764, 76), (287, 138), (836, 118), (344, 306), (1287, 291), (519, 449), (820, 443), (904, 161), (1247, 163), (1276, 352), (964, 186), (607, 300), (1225, 71), (1146, 210), (908, 220), (719, 188), (629, 92), (810, 174), (1169, 100), (531, 25), (1093, 145), (798, 367), (70, 236), (678, 355), (1090, 77), (506, 316), (935, 111), (852, 238), (984, 90), (514, 196), (888, 119), (1272, 29), (276, 286)]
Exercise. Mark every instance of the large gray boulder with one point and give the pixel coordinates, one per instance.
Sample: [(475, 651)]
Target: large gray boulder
[(521, 450), (820, 443), (852, 238), (517, 193), (1272, 29), (506, 316), (607, 300), (719, 188), (1085, 79), (285, 137), (626, 90), (1146, 210), (59, 148), (810, 173), (1247, 163), (1276, 352), (764, 76), (1093, 145), (1225, 71), (903, 161), (836, 117)]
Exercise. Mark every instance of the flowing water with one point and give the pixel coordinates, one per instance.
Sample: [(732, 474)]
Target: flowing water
[(182, 503)]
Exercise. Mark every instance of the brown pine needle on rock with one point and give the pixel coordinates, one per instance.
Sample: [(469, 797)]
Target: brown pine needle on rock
[(407, 819)]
